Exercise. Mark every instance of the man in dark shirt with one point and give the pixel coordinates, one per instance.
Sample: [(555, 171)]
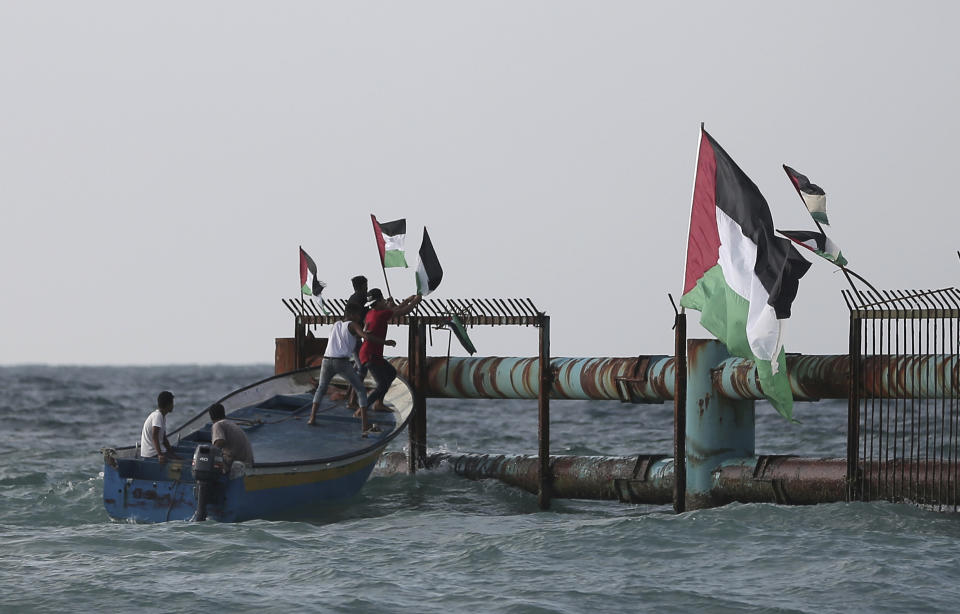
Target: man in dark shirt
[(358, 298)]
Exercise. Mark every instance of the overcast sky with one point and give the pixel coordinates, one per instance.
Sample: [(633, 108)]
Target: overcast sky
[(161, 163)]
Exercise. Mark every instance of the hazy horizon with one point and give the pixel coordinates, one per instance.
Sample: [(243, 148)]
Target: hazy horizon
[(160, 165)]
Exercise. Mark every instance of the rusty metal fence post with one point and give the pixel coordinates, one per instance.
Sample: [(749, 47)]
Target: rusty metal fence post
[(854, 485), (420, 396), (413, 426), (680, 415), (543, 402), (298, 336)]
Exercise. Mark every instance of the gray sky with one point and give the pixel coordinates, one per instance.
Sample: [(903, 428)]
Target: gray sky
[(160, 164)]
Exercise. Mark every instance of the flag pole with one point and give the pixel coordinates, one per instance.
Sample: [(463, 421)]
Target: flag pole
[(446, 375), (693, 192), (301, 276), (385, 280), (847, 272)]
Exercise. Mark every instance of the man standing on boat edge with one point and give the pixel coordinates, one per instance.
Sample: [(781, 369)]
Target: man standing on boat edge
[(371, 352), (341, 348), (359, 299), (155, 430)]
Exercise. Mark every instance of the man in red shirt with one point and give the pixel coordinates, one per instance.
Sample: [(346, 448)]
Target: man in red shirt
[(371, 352)]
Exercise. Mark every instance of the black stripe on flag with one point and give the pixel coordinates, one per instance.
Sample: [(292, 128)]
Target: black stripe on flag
[(394, 228), (430, 263), (802, 183), (779, 265), (813, 239)]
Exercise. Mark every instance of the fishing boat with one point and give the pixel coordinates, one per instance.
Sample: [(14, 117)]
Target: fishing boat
[(296, 466)]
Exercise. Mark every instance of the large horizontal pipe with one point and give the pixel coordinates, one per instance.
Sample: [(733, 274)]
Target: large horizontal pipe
[(789, 480), (828, 377), (650, 379), (648, 479), (573, 477)]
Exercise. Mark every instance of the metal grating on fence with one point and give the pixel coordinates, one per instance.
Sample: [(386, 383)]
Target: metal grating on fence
[(472, 311), (904, 408)]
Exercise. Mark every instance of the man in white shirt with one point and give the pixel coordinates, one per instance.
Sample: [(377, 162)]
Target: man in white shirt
[(155, 430), (341, 346)]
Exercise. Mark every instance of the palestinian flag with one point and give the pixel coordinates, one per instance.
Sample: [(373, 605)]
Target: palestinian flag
[(455, 324), (813, 195), (740, 276), (308, 265), (818, 243), (390, 238), (429, 271)]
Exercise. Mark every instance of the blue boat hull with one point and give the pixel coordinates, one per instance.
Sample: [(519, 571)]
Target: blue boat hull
[(150, 494)]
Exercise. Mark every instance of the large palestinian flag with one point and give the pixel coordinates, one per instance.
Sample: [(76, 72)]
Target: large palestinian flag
[(740, 276), (390, 239)]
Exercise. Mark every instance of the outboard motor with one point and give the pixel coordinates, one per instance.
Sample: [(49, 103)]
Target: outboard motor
[(207, 470)]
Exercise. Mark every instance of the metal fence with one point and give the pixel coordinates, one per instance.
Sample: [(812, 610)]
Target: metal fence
[(904, 406)]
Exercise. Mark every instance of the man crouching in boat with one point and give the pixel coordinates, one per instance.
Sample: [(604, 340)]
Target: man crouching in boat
[(230, 438), (155, 430), (341, 347)]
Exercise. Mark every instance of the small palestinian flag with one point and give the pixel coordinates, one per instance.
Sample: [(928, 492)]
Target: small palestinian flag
[(429, 271), (308, 265), (813, 195), (818, 243), (390, 239), (740, 276), (456, 326)]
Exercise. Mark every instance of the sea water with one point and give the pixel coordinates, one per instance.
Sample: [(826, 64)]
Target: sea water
[(436, 542)]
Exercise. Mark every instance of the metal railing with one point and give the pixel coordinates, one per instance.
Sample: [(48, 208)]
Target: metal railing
[(904, 404)]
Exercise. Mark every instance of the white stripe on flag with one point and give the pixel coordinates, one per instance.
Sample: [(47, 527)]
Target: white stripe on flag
[(738, 256), (393, 243)]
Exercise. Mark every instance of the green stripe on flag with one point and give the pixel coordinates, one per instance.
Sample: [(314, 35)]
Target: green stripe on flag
[(460, 331), (394, 258), (723, 312)]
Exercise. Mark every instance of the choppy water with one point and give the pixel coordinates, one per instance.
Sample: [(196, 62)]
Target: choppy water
[(436, 542)]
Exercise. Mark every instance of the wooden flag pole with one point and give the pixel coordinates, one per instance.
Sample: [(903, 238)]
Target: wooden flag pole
[(385, 280)]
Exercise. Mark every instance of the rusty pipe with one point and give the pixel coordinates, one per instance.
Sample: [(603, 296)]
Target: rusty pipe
[(650, 379), (648, 479), (788, 480), (828, 377), (647, 379), (573, 477)]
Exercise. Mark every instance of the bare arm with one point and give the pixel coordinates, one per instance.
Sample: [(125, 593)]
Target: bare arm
[(407, 305), (155, 437), (227, 459), (170, 451)]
